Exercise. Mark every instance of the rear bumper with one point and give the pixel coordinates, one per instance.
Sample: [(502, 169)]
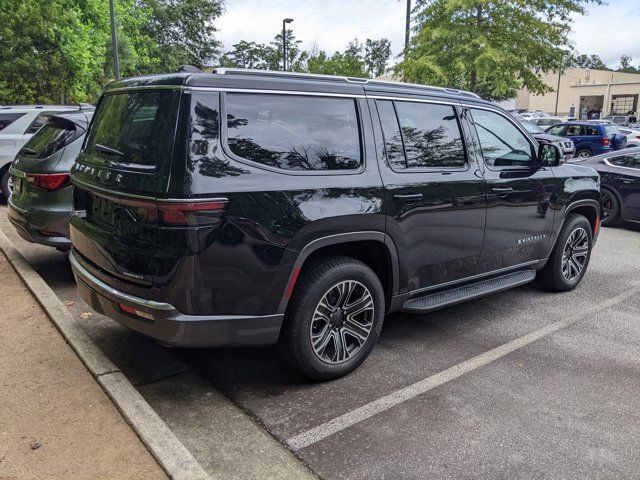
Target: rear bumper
[(168, 324), (31, 223)]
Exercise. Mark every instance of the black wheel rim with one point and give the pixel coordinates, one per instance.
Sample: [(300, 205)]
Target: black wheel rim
[(574, 255), (342, 322), (607, 205)]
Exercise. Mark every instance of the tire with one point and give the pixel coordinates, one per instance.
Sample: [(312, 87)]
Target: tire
[(584, 153), (563, 273), (610, 207), (4, 184), (309, 321)]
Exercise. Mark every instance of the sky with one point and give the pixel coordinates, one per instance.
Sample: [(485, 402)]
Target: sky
[(607, 30)]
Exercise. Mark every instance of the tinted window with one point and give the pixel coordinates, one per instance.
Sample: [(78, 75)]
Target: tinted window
[(631, 161), (592, 130), (134, 128), (47, 141), (501, 142), (294, 133), (392, 136), (36, 125), (430, 134), (557, 130), (7, 119)]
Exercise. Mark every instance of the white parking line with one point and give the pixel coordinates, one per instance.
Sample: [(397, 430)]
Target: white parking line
[(375, 407)]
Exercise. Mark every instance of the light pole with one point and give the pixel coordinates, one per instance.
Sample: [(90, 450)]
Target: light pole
[(114, 41), (284, 42)]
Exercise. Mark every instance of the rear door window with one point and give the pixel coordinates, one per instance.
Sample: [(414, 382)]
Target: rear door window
[(36, 125), (134, 129), (7, 119), (431, 135), (294, 132)]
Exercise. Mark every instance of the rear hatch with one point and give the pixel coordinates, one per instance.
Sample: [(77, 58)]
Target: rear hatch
[(36, 165), (123, 169), (616, 139)]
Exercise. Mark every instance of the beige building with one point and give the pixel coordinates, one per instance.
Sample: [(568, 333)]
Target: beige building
[(586, 93)]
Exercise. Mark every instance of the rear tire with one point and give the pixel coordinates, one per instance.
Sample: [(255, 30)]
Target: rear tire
[(570, 256), (4, 184), (584, 153), (610, 207), (333, 319)]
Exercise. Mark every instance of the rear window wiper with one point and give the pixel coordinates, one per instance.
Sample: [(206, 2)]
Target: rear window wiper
[(109, 150), (27, 151)]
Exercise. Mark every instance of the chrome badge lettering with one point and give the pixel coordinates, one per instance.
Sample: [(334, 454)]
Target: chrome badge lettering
[(532, 239)]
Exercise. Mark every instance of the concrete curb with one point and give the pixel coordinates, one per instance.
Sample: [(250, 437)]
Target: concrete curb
[(171, 454)]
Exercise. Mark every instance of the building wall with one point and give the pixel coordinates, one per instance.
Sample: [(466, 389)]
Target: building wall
[(581, 82)]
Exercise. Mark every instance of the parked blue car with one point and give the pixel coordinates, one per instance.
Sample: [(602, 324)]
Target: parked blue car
[(590, 138)]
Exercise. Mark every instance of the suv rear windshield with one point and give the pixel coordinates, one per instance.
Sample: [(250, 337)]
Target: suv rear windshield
[(47, 141), (611, 129), (7, 119), (134, 129)]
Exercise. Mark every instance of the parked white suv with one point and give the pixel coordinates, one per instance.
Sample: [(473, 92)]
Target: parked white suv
[(18, 123), (633, 136)]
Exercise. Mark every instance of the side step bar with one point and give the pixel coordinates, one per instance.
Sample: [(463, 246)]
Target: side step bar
[(437, 300)]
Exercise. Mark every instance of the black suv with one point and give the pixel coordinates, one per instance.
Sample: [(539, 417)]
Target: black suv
[(251, 207)]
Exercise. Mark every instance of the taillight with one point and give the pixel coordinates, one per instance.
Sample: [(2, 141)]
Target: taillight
[(188, 214), (49, 181), (637, 136), (605, 142)]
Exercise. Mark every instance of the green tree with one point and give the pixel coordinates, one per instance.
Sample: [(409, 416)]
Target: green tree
[(183, 32), (625, 65), (489, 47), (376, 56), (246, 55), (593, 62)]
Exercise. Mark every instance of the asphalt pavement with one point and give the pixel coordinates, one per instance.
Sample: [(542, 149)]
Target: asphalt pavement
[(522, 384)]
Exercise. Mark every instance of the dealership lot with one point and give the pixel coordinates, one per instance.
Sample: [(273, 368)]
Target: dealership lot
[(523, 383)]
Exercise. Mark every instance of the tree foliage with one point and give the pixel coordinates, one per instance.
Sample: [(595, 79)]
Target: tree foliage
[(593, 62), (60, 50), (357, 59), (489, 47)]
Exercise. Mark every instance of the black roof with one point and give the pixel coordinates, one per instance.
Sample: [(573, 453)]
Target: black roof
[(294, 81)]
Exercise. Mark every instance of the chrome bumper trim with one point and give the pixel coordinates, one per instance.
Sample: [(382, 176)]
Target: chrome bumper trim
[(95, 282)]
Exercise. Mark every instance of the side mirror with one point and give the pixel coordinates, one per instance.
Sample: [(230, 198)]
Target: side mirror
[(549, 155)]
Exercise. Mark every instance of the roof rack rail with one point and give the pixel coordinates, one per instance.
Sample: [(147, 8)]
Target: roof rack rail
[(189, 69), (364, 81)]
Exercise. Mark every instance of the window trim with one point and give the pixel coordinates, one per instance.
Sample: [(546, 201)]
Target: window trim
[(467, 163), (520, 128), (224, 138), (607, 162)]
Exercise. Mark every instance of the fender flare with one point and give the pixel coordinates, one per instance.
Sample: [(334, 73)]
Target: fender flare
[(343, 238)]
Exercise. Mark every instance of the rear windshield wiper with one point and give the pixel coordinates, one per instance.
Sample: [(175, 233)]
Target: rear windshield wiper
[(109, 150), (27, 151)]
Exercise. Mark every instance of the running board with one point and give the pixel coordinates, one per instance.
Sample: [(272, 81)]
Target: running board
[(437, 300)]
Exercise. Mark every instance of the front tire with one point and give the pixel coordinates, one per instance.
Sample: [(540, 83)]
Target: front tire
[(333, 319), (570, 256)]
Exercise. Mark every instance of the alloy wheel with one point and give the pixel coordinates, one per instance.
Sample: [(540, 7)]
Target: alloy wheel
[(574, 255), (607, 205), (342, 322)]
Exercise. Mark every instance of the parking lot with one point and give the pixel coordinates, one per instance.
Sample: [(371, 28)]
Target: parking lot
[(520, 384)]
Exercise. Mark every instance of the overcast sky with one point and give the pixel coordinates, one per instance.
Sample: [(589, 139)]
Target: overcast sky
[(609, 31)]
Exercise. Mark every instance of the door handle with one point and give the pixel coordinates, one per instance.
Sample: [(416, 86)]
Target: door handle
[(409, 197), (502, 190)]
